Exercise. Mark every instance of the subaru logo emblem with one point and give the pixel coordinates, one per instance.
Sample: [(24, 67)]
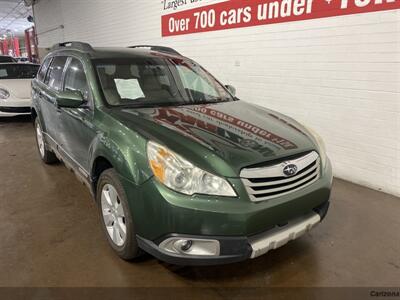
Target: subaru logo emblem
[(290, 170)]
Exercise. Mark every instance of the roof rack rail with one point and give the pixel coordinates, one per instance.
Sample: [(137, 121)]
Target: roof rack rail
[(157, 48), (73, 45)]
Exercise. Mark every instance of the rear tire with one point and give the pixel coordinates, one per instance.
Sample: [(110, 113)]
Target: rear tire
[(47, 156), (115, 215)]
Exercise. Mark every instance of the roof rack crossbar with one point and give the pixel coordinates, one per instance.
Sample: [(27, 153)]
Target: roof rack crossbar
[(73, 45), (158, 48)]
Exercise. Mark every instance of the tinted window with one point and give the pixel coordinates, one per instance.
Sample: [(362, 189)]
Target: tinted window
[(18, 71), (75, 78), (6, 59), (54, 76), (43, 69)]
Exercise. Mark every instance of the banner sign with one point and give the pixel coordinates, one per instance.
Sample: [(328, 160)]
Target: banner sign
[(246, 13)]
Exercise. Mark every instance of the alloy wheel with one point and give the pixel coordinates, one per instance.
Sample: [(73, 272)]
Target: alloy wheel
[(113, 215), (40, 141)]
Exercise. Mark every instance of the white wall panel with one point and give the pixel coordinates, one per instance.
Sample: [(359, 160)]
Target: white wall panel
[(339, 75)]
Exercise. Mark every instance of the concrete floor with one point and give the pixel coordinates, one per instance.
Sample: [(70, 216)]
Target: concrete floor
[(50, 236)]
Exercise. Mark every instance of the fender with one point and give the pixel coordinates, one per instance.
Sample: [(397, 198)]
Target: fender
[(35, 105), (126, 158)]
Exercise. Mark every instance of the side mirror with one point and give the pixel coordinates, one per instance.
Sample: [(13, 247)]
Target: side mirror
[(231, 89), (70, 99)]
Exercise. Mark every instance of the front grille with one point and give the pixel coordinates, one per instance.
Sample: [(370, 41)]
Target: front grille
[(269, 182)]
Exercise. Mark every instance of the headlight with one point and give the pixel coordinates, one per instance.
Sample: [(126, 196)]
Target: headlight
[(321, 145), (4, 94), (182, 176)]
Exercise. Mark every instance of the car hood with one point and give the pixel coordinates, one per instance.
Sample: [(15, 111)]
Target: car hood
[(239, 133), (18, 88)]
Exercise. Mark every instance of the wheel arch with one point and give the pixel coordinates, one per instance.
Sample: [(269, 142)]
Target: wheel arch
[(36, 114), (100, 164), (33, 114), (126, 166)]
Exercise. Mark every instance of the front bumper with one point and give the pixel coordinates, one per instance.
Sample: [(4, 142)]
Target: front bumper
[(15, 106), (14, 111), (236, 249), (159, 213)]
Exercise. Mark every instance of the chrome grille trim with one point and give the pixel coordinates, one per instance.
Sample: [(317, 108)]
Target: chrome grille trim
[(271, 181)]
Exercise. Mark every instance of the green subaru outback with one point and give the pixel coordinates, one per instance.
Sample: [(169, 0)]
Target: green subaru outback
[(179, 167)]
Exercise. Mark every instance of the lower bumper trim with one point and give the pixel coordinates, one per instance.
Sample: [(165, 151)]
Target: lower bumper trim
[(236, 248), (17, 110), (279, 236)]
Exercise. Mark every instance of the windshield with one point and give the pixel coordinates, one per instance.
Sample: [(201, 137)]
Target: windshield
[(18, 71), (157, 82), (6, 59)]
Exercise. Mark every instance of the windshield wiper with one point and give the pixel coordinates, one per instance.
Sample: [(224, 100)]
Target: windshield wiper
[(176, 103), (211, 101), (147, 105)]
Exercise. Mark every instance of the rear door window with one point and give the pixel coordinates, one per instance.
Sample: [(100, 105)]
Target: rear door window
[(54, 75)]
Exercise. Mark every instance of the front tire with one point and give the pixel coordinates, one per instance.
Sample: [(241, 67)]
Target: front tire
[(47, 156), (115, 215)]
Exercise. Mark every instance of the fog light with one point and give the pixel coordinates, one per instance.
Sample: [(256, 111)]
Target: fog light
[(182, 245), (191, 247), (186, 244)]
